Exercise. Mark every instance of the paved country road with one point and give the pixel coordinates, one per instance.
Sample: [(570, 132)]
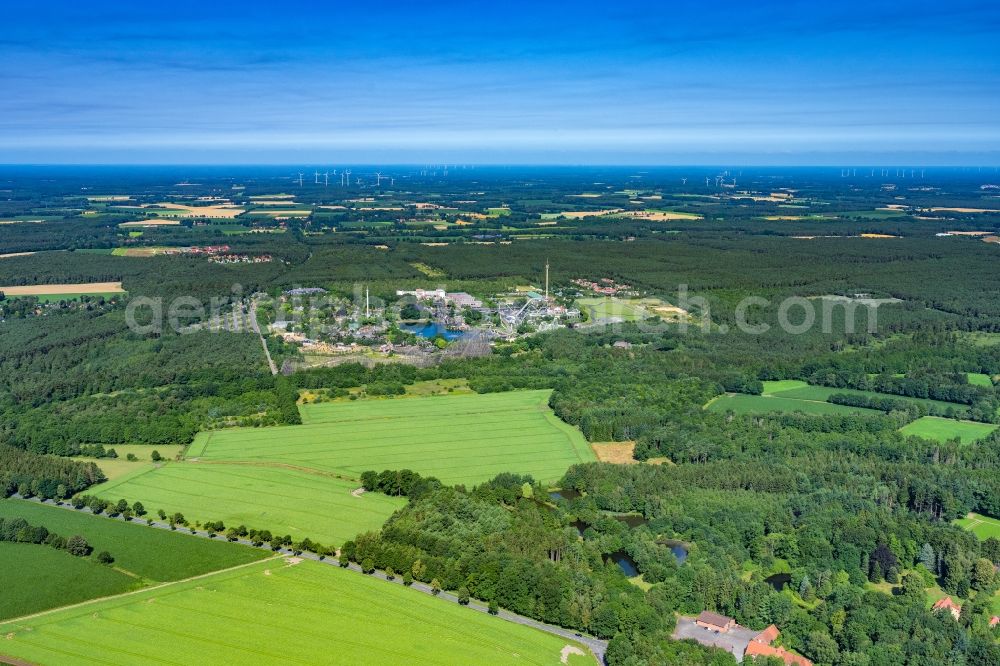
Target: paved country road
[(597, 646)]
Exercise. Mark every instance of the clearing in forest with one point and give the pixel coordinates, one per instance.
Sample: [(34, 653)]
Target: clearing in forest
[(982, 526), (618, 453), (941, 429), (298, 611), (741, 403), (980, 379)]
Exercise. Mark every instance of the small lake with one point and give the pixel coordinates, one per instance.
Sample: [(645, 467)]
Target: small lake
[(624, 562), (568, 494), (678, 548), (778, 581), (431, 331)]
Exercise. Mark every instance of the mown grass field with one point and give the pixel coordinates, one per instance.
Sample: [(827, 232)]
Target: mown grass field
[(982, 526), (457, 438), (145, 553), (740, 403), (275, 613), (980, 379), (612, 308), (35, 578), (283, 500), (933, 427), (821, 393)]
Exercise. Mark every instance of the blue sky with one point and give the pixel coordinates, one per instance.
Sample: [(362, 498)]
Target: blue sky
[(501, 82)]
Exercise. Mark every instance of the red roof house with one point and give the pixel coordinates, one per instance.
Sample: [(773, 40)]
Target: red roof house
[(758, 649), (948, 605)]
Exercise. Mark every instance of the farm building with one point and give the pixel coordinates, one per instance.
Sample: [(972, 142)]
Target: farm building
[(715, 622), (723, 632)]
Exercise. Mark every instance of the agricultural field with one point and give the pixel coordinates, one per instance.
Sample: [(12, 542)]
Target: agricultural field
[(114, 468), (982, 526), (60, 290), (820, 393), (36, 577), (457, 438), (152, 222), (791, 395), (279, 611), (941, 429), (740, 403), (144, 553), (267, 495), (225, 211)]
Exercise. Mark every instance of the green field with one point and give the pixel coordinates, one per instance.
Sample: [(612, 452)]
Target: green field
[(608, 308), (276, 498), (275, 613), (35, 578), (457, 438), (982, 526), (789, 395), (772, 387), (934, 427), (298, 480), (821, 393), (145, 553), (980, 379), (741, 403), (114, 468)]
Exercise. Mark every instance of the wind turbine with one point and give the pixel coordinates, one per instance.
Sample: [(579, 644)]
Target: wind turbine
[(300, 179), (684, 181), (348, 172), (316, 178), (326, 179), (378, 179)]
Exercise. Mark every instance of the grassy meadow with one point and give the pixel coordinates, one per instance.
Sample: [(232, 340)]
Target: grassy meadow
[(740, 403), (276, 498), (980, 379), (935, 427), (276, 612), (457, 438), (612, 308), (982, 526)]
